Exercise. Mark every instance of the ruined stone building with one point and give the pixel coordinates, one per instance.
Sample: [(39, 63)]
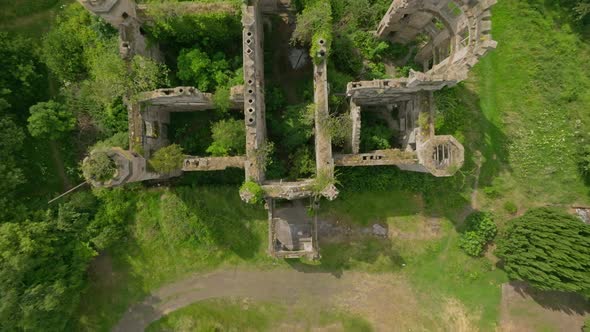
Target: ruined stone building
[(457, 34)]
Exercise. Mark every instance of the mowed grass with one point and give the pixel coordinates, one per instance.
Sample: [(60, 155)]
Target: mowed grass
[(161, 247), (534, 94), (238, 315)]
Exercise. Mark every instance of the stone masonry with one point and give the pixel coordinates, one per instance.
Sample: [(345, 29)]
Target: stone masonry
[(452, 36)]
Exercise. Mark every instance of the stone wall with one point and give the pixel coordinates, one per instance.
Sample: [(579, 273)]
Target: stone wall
[(254, 102), (457, 33)]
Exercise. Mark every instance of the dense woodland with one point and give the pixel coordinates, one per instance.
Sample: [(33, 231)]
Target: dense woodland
[(63, 94)]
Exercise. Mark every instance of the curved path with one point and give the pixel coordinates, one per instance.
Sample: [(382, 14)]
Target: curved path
[(381, 299)]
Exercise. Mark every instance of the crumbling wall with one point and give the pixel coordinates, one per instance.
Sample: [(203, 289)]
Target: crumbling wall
[(458, 32), (179, 99), (131, 167), (192, 164), (355, 118), (123, 15), (392, 157), (254, 102)]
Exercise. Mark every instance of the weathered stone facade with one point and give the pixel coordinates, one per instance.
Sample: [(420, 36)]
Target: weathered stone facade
[(454, 35)]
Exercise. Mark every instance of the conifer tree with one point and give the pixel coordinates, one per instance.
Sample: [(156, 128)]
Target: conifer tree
[(548, 248)]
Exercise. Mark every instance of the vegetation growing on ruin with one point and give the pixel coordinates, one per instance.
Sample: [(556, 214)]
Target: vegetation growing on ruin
[(99, 167), (229, 138), (167, 159), (252, 192)]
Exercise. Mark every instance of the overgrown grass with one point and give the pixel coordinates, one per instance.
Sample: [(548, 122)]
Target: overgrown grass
[(30, 18), (535, 89), (233, 315), (175, 232)]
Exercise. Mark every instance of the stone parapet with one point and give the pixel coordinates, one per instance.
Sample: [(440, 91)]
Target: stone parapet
[(192, 164)]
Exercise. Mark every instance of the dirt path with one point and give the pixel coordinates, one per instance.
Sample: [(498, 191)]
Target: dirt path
[(384, 300)]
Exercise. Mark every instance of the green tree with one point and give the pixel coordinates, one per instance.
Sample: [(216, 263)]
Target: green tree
[(65, 45), (196, 68), (168, 159), (11, 176), (42, 271), (50, 120), (229, 138), (21, 72), (548, 248)]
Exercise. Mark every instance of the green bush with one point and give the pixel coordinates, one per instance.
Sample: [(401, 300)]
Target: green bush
[(483, 224), (510, 207), (168, 159), (302, 163), (472, 243), (295, 126), (376, 137), (251, 192), (207, 31), (480, 229), (99, 167)]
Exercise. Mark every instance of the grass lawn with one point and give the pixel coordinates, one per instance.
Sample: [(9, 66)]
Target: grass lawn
[(235, 315), (534, 95)]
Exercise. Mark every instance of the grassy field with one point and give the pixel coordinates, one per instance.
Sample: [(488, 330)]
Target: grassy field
[(235, 315), (423, 249), (533, 94), (158, 249), (30, 18)]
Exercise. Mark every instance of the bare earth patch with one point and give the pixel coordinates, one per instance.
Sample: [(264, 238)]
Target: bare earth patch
[(525, 309)]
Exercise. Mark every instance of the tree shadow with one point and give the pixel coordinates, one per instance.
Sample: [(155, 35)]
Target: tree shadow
[(229, 222), (570, 303)]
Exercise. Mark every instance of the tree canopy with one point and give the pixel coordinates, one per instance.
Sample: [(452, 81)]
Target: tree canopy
[(548, 248), (50, 120), (229, 138), (168, 159), (195, 67)]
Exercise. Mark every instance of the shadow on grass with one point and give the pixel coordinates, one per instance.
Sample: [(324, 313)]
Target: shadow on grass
[(227, 219), (365, 253), (570, 303)]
